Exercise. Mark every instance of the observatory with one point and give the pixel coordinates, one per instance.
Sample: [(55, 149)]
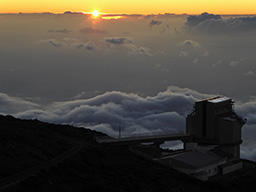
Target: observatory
[(214, 147), (211, 142), (214, 122)]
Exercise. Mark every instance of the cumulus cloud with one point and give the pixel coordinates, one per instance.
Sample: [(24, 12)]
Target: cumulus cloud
[(65, 31), (191, 48), (116, 40), (70, 43), (154, 22), (190, 43), (211, 23), (196, 20), (249, 73), (164, 112), (134, 50), (233, 63), (90, 30), (55, 43), (52, 42), (138, 51), (87, 45), (75, 43), (183, 54)]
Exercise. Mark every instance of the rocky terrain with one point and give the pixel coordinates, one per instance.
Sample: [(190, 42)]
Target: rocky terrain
[(37, 156)]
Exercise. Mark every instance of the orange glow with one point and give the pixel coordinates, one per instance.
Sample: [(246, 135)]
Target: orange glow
[(111, 17), (131, 6)]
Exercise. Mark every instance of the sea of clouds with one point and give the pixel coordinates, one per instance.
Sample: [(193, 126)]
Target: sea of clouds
[(163, 113)]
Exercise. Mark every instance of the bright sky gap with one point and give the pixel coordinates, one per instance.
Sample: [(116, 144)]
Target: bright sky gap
[(131, 7)]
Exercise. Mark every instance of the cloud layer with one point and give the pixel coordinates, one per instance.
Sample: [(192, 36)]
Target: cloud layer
[(163, 113), (12, 105), (215, 24)]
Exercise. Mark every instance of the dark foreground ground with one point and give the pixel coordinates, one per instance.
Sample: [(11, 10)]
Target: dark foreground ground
[(36, 156)]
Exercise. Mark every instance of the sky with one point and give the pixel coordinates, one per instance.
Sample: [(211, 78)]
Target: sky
[(140, 72), (131, 6)]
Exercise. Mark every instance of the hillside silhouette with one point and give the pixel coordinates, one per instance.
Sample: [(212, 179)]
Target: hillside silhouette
[(37, 156)]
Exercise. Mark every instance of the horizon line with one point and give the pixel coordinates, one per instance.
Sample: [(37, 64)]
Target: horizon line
[(122, 14)]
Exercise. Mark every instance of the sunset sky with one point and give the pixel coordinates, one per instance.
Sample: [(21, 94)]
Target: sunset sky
[(131, 6)]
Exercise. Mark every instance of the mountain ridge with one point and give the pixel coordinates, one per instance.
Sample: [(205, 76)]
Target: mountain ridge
[(28, 144)]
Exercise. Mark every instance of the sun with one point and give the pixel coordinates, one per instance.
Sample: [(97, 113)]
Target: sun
[(95, 13)]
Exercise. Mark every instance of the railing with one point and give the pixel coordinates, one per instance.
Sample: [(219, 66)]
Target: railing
[(135, 135), (141, 136)]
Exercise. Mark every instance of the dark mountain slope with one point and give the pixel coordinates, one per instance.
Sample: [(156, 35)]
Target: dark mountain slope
[(92, 167)]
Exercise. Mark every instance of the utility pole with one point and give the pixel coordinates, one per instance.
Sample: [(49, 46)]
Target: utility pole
[(120, 129)]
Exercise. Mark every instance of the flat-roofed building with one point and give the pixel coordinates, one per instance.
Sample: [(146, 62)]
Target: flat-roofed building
[(197, 163)]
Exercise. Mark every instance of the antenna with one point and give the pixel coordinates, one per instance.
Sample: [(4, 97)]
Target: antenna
[(120, 129)]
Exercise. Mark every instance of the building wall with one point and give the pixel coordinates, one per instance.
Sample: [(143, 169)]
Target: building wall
[(201, 173), (179, 164), (232, 167), (187, 146), (232, 150), (210, 122), (230, 131)]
